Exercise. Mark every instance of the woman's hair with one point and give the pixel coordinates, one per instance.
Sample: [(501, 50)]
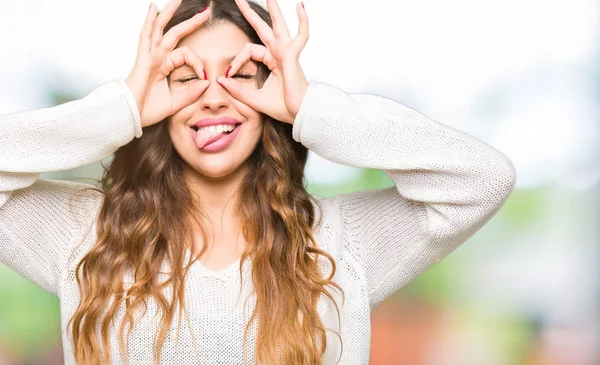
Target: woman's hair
[(142, 224)]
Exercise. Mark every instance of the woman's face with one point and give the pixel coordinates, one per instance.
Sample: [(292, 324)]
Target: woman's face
[(216, 134)]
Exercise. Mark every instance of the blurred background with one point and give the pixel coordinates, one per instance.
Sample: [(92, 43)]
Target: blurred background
[(521, 75)]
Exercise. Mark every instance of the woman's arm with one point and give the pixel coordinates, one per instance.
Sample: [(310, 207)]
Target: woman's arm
[(66, 136), (448, 184), (40, 220)]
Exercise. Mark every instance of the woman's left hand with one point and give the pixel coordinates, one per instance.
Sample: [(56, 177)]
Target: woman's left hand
[(281, 95)]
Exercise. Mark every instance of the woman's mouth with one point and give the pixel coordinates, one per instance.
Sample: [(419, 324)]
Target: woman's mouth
[(214, 138)]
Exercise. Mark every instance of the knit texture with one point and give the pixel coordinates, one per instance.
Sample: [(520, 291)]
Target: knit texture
[(448, 185)]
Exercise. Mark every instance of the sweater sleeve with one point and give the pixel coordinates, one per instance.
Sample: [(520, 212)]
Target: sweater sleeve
[(40, 220), (448, 184)]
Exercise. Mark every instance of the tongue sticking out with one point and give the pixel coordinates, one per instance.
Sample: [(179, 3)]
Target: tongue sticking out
[(205, 137)]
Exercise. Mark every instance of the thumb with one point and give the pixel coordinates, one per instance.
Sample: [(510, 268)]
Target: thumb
[(244, 93), (188, 95)]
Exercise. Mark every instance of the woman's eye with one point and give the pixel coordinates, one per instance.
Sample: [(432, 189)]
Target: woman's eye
[(186, 79), (240, 75)]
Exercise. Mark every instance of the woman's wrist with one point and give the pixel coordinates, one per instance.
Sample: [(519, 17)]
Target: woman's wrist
[(137, 88)]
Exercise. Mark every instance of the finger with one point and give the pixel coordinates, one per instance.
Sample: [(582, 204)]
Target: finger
[(185, 56), (188, 95), (301, 38), (174, 35), (265, 33), (247, 94), (162, 20), (146, 33), (250, 51), (280, 29)]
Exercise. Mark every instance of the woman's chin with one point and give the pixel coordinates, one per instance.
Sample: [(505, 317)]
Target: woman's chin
[(216, 174), (229, 162), (217, 170)]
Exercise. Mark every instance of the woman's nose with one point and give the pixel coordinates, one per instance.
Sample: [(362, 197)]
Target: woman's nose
[(215, 97)]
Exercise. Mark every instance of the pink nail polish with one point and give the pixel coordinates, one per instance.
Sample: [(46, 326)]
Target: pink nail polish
[(227, 73), (203, 10), (303, 6)]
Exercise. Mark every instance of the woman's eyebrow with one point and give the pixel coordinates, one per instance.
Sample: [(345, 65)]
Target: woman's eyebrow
[(227, 60)]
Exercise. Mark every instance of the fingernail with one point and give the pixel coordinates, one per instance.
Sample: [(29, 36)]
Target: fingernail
[(205, 77), (203, 10), (227, 73), (303, 5), (150, 7)]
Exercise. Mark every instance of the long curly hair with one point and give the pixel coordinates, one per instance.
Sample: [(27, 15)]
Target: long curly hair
[(142, 225)]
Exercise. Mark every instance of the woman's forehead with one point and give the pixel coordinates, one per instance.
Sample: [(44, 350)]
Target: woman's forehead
[(217, 41)]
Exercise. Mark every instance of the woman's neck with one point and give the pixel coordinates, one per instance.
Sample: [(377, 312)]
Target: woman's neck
[(219, 234), (219, 200)]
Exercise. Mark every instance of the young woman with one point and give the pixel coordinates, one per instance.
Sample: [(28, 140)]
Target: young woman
[(202, 246)]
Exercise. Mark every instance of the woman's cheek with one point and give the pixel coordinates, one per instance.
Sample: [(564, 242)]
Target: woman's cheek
[(245, 110), (181, 117)]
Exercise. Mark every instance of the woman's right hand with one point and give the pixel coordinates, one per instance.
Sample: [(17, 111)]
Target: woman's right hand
[(157, 57)]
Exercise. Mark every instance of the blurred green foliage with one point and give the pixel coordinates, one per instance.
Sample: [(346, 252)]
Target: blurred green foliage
[(29, 316)]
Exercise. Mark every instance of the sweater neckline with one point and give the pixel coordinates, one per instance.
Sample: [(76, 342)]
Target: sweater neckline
[(229, 270)]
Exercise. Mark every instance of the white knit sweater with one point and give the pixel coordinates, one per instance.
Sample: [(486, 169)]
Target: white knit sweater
[(448, 185)]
